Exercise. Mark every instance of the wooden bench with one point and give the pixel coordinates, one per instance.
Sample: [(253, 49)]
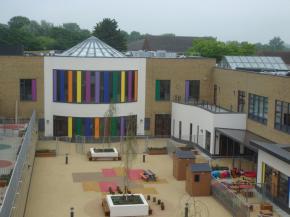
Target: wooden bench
[(105, 207)]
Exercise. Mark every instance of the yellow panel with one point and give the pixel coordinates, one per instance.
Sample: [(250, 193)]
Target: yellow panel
[(263, 172), (123, 86), (79, 86), (69, 127)]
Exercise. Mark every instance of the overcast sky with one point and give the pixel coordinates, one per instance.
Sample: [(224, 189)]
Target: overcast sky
[(242, 20)]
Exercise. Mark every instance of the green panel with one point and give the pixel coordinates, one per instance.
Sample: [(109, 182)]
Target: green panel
[(78, 127), (157, 90), (113, 126), (115, 87)]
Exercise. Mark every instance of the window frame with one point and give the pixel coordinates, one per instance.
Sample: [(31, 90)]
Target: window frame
[(258, 108)]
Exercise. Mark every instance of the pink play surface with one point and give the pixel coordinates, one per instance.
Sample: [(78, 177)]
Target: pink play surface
[(134, 174)]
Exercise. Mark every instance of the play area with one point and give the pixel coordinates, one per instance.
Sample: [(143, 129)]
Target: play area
[(85, 185)]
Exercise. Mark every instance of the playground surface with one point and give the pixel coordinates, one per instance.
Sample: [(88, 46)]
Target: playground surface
[(56, 187)]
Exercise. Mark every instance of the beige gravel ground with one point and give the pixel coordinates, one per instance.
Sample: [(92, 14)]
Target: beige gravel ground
[(53, 191)]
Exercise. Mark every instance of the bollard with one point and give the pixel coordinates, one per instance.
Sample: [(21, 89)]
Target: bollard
[(66, 158), (158, 202), (71, 212), (154, 199), (144, 158), (186, 210), (148, 197), (162, 206)]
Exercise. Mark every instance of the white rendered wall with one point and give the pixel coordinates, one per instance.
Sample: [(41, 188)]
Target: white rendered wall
[(206, 120), (273, 162), (92, 110)]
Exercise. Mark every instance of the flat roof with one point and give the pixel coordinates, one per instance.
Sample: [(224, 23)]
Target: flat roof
[(202, 167), (184, 154), (244, 137), (281, 151)]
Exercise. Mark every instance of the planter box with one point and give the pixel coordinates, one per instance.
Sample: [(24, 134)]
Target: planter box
[(137, 209), (45, 153), (157, 151)]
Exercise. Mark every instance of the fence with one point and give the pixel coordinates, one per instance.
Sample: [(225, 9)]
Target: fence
[(236, 206), (16, 194)]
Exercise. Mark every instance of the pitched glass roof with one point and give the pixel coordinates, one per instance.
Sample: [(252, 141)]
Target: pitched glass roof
[(92, 47), (254, 62)]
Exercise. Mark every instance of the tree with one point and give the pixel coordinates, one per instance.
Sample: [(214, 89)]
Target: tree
[(18, 22), (217, 49), (276, 44), (107, 30)]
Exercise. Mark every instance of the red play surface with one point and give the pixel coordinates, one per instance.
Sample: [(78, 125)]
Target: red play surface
[(134, 174), (5, 163), (109, 172), (12, 126), (104, 186)]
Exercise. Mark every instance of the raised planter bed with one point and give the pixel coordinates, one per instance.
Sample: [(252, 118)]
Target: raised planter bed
[(45, 153), (157, 151), (103, 154)]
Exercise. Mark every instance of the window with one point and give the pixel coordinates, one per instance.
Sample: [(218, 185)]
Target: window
[(28, 89), (207, 140), (147, 124), (258, 108), (241, 101), (196, 178), (282, 116), (162, 89), (192, 90)]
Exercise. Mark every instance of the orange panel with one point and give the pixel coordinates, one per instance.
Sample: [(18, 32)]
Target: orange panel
[(136, 86), (69, 91), (97, 127)]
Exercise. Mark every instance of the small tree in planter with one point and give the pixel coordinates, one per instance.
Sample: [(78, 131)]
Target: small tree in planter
[(129, 150), (109, 114)]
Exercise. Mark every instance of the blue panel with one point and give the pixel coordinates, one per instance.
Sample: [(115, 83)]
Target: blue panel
[(88, 123), (106, 87), (289, 192), (62, 82)]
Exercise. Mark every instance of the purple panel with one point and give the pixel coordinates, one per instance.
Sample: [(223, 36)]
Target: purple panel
[(33, 89), (97, 87), (88, 87), (186, 90), (54, 86), (130, 78), (122, 127)]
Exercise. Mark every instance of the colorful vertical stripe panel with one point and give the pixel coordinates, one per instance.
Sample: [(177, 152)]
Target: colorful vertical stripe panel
[(135, 86), (97, 87), (88, 87), (33, 86), (97, 128), (70, 86), (115, 87), (62, 86), (130, 86), (122, 127), (69, 127), (54, 85), (106, 87), (123, 78), (79, 86), (157, 90)]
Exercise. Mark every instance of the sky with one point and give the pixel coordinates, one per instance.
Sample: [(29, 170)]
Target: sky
[(241, 20)]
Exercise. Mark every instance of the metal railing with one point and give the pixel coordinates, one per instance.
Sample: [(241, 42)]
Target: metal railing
[(236, 206), (16, 194)]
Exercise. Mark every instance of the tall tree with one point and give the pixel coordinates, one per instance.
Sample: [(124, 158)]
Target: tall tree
[(18, 22), (107, 30), (276, 44)]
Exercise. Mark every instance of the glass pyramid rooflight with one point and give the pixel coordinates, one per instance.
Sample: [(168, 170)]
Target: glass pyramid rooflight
[(92, 47)]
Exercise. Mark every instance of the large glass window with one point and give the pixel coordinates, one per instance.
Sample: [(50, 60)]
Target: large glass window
[(192, 90), (241, 101), (162, 89), (28, 89), (258, 108), (75, 86), (282, 116)]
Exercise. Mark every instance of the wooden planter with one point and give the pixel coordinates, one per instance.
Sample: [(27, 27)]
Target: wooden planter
[(157, 151), (45, 153)]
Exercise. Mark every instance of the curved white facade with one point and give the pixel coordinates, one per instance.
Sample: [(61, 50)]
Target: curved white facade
[(92, 110)]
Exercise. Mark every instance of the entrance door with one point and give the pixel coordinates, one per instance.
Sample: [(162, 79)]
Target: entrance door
[(162, 125), (59, 126)]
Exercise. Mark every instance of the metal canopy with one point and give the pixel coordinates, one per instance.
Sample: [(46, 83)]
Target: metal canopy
[(243, 137)]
